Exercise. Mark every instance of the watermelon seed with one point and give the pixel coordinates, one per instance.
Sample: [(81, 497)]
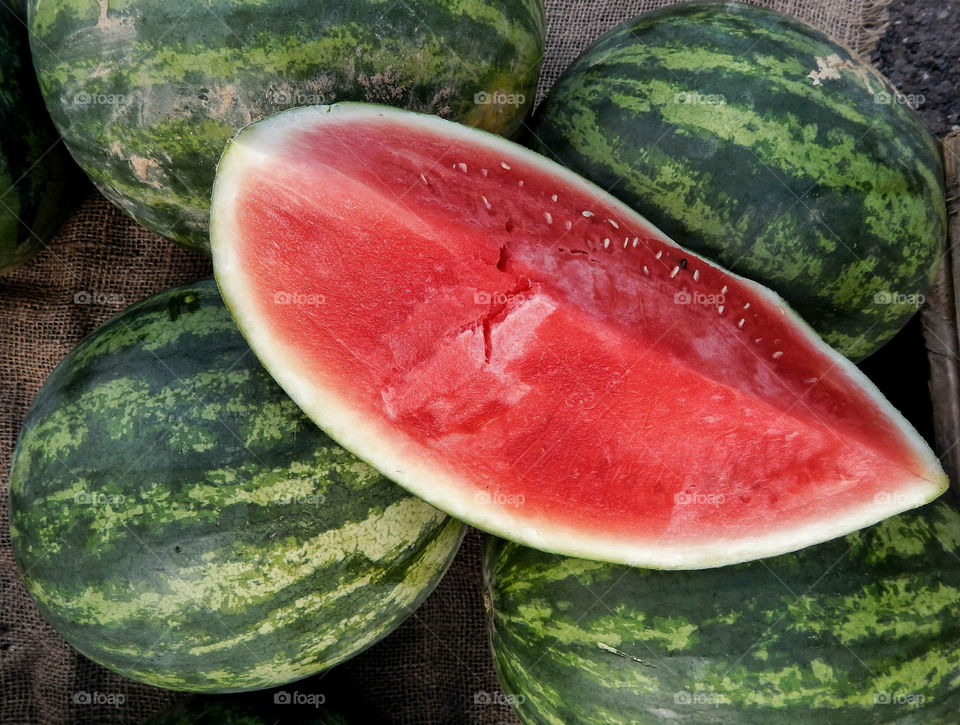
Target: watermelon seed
[(483, 171), (645, 270), (462, 166), (548, 216), (777, 354), (505, 165), (724, 290), (673, 272), (740, 324), (486, 203), (613, 224), (683, 263), (424, 179), (636, 241), (553, 197), (520, 183), (746, 306), (658, 254), (587, 214), (606, 242), (720, 310), (568, 225), (626, 242)]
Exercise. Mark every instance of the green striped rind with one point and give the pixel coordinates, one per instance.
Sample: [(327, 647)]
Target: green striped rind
[(37, 178), (753, 139), (178, 519), (147, 95), (858, 629)]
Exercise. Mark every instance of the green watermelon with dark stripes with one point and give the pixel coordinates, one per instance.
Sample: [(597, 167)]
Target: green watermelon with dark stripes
[(756, 141), (38, 181), (146, 93), (177, 519), (861, 629)]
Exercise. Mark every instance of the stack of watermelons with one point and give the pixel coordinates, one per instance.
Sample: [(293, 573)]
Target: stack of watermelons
[(708, 514)]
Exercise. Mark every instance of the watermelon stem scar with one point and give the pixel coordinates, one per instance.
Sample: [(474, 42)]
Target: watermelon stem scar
[(613, 650), (526, 353)]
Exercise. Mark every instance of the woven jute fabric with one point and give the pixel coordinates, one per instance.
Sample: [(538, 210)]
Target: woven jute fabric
[(436, 668)]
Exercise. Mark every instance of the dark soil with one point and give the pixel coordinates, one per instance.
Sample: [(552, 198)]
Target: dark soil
[(920, 54)]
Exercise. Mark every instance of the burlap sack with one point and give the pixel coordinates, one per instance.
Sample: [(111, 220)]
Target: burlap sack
[(434, 669)]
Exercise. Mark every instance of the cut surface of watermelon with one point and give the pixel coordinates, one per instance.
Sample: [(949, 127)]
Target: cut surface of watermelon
[(512, 344)]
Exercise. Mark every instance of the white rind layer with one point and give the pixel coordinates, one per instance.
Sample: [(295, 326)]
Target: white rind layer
[(384, 447)]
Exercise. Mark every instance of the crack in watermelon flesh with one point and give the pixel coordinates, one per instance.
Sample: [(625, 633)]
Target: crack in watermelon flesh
[(526, 353)]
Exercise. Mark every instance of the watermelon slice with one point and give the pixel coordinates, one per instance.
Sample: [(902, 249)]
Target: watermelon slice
[(512, 344)]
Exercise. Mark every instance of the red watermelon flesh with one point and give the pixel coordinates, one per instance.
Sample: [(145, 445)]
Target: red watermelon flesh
[(518, 348)]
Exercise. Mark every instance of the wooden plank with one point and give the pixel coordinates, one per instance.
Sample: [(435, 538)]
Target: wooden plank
[(941, 330)]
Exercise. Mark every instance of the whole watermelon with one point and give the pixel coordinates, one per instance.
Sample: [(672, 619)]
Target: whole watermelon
[(38, 181), (861, 629), (177, 519), (753, 139), (147, 93)]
